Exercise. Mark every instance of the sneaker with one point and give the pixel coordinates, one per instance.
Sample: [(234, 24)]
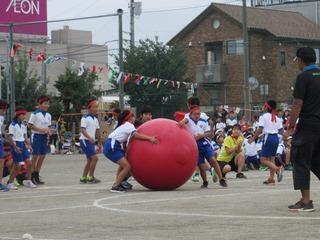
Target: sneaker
[(3, 188), (16, 183), (205, 184), (214, 175), (240, 175), (223, 183), (263, 168), (11, 186), (118, 189), (196, 177), (126, 185), (269, 181), (36, 178), (93, 180), (301, 207), (29, 184), (280, 174), (83, 180)]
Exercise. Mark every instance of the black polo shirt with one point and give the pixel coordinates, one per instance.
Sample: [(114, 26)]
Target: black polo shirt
[(307, 88)]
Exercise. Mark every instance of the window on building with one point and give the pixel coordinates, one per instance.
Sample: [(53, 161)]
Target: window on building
[(283, 58), (235, 47)]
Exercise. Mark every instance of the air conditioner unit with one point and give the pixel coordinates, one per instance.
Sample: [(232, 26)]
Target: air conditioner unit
[(214, 73)]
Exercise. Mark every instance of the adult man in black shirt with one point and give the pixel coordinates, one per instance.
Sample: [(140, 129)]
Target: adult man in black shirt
[(305, 151)]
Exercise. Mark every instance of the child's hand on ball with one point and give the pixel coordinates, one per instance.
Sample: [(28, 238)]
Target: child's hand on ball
[(153, 140)]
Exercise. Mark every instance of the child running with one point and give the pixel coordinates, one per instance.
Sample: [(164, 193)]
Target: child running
[(270, 125), (3, 109), (114, 152), (39, 123), (200, 129), (20, 147), (89, 133)]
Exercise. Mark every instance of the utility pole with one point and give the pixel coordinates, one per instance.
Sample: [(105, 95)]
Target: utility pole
[(245, 61), (44, 68), (11, 75), (121, 87), (132, 6)]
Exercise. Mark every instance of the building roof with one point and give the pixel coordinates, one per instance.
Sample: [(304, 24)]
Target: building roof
[(281, 24)]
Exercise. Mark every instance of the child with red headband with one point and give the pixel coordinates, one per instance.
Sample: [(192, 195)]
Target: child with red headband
[(114, 151), (200, 129), (3, 108), (39, 123), (270, 125), (89, 134), (20, 147)]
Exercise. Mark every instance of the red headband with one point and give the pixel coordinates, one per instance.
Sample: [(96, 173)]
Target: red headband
[(21, 112), (90, 104), (42, 100), (194, 109), (115, 115), (273, 112), (128, 117)]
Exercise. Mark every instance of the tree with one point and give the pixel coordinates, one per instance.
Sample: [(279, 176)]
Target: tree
[(76, 90), (27, 84), (155, 59)]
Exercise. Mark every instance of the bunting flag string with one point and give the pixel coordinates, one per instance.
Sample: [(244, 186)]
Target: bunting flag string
[(126, 77)]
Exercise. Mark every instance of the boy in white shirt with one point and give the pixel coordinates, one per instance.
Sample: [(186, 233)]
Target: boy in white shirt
[(88, 136)]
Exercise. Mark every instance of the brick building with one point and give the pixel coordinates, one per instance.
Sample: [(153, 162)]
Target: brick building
[(214, 49)]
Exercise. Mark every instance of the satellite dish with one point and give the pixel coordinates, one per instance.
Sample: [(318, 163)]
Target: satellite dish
[(253, 83)]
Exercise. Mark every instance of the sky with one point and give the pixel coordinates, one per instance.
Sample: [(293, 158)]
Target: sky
[(163, 24)]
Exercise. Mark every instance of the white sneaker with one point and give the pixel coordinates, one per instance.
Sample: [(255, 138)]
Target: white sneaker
[(29, 184), (11, 186)]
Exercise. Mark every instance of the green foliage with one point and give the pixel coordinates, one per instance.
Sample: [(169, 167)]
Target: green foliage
[(28, 87), (154, 59), (76, 90), (56, 107)]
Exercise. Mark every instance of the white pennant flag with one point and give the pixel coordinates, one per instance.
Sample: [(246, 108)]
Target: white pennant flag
[(81, 69)]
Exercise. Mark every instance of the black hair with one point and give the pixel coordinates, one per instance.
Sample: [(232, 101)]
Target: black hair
[(122, 117), (116, 110), (146, 109), (307, 55), (3, 104), (272, 104), (236, 126), (18, 109), (194, 101)]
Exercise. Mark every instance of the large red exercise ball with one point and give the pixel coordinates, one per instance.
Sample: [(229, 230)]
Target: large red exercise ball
[(168, 164)]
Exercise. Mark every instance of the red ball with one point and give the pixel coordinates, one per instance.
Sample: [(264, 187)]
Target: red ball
[(168, 164)]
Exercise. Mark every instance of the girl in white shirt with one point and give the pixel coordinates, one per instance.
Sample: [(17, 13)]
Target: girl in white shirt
[(114, 151)]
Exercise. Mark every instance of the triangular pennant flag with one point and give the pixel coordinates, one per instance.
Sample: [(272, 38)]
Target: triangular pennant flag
[(30, 51), (166, 82), (139, 79), (119, 78), (53, 59), (172, 83), (100, 69), (159, 82), (153, 80), (178, 84), (41, 57), (146, 80), (127, 78), (14, 49), (111, 75), (81, 69), (94, 69)]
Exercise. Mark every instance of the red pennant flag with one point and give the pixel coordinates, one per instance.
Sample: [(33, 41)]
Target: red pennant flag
[(100, 69), (41, 57), (127, 78), (30, 53), (94, 69), (14, 49)]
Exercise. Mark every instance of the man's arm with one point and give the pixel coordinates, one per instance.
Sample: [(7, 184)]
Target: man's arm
[(295, 111)]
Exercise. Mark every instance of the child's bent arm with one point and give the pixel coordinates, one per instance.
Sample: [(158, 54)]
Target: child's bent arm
[(42, 130), (145, 137), (84, 132)]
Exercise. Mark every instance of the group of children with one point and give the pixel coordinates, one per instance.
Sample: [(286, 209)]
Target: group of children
[(220, 155), (15, 147)]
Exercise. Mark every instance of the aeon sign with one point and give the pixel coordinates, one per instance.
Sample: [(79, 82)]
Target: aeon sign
[(16, 11)]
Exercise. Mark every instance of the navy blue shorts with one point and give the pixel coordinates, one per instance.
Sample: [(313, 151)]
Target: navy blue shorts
[(1, 149), (112, 150), (88, 148), (270, 145), (20, 157), (39, 144), (253, 159), (205, 151)]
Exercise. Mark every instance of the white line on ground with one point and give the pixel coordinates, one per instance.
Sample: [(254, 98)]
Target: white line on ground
[(50, 195), (97, 203)]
